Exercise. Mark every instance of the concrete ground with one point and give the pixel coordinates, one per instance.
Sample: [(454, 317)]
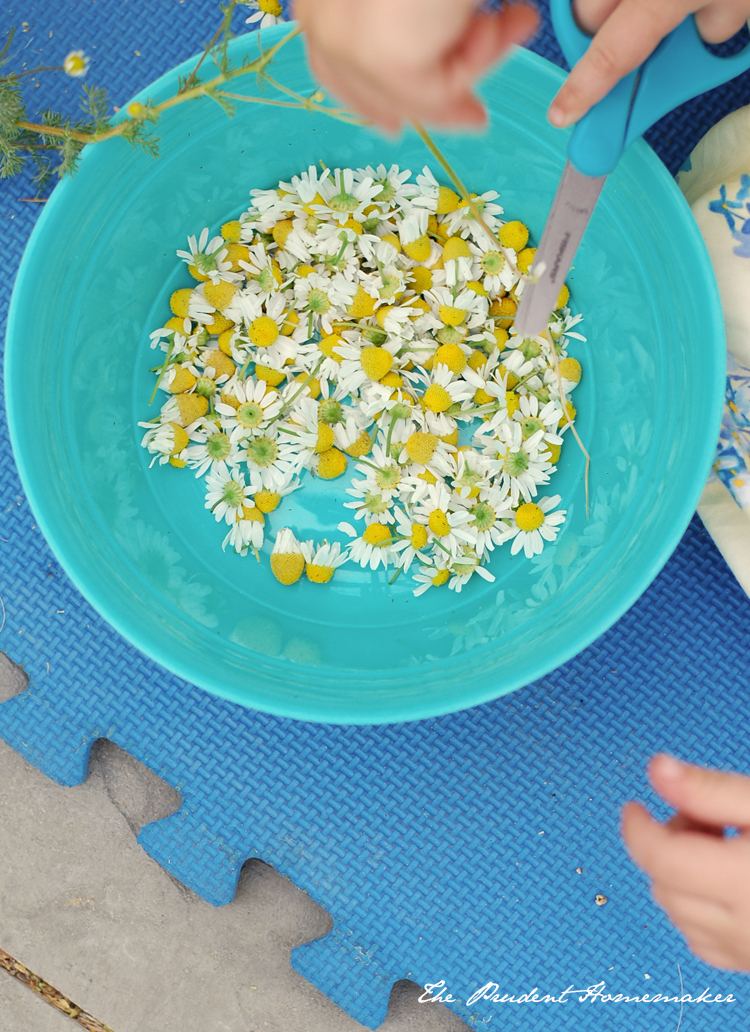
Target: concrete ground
[(86, 909)]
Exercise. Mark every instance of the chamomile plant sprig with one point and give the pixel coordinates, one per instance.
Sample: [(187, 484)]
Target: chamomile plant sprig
[(53, 142), (393, 363)]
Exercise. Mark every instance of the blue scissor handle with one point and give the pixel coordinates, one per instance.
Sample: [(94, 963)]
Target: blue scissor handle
[(679, 68)]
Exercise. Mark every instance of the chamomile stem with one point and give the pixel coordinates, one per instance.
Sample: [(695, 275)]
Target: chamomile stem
[(564, 403), (390, 434), (435, 150), (163, 369), (301, 389)]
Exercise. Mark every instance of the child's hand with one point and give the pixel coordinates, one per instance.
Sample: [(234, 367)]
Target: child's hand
[(625, 33), (394, 61), (699, 878)]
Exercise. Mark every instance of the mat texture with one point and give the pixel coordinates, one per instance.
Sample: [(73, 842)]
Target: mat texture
[(467, 849)]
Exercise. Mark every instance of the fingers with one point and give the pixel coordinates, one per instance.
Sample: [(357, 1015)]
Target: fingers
[(487, 38), (419, 63), (681, 822), (590, 15), (624, 41), (713, 797), (686, 862), (719, 21)]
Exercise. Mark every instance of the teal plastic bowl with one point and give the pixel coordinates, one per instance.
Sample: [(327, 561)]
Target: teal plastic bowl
[(138, 543)]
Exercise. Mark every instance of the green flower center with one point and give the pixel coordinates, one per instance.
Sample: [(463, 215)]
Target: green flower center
[(530, 426), (388, 478), (387, 191), (218, 447), (250, 415), (492, 262), (375, 503), (371, 224), (450, 335), (516, 463), (318, 302), (233, 494), (343, 201), (266, 279), (391, 284), (484, 516), (374, 335), (469, 479), (205, 386), (262, 451), (400, 410), (531, 349), (206, 262), (330, 411)]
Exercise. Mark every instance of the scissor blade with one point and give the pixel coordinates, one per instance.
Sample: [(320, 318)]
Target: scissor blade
[(571, 210)]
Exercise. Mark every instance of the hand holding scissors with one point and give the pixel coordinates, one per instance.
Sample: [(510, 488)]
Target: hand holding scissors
[(679, 68)]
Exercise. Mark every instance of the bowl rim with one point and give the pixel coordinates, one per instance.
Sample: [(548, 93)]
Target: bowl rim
[(297, 706)]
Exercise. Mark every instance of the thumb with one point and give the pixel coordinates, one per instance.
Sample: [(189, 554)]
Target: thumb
[(712, 797)]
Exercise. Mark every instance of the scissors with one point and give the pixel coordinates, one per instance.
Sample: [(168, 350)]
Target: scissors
[(679, 68)]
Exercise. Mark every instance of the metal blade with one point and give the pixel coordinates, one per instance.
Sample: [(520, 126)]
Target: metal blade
[(571, 210)]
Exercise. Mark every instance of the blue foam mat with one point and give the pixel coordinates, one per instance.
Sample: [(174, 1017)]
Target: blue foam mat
[(444, 849)]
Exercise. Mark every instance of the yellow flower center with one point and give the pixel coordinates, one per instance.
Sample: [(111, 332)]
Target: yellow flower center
[(287, 567), (319, 574), (448, 201), (437, 399), (327, 345), (267, 501), (418, 536), (570, 368), (438, 523), (270, 7), (325, 438), (377, 535), (451, 316), (456, 247), (513, 234), (529, 516), (441, 577), (419, 249), (331, 464), (220, 294), (452, 356), (253, 514), (421, 447), (263, 331), (376, 362)]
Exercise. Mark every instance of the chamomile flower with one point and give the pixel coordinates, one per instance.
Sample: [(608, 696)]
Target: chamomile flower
[(395, 188), (257, 407), (164, 441), (247, 532), (431, 576), (322, 561), (533, 524), (359, 320), (76, 64), (227, 493), (344, 198), (412, 542), (444, 522), (267, 12), (207, 257), (464, 566), (373, 548)]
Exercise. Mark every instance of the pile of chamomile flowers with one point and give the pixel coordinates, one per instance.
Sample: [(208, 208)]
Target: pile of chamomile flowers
[(356, 322)]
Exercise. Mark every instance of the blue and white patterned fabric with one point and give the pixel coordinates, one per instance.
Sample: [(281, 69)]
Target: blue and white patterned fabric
[(716, 184)]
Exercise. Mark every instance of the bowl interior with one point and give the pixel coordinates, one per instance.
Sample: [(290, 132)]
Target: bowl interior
[(96, 279)]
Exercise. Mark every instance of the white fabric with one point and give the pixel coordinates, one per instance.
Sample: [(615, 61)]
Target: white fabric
[(715, 182)]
